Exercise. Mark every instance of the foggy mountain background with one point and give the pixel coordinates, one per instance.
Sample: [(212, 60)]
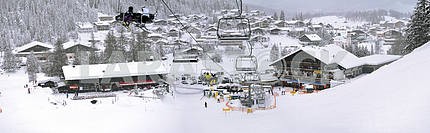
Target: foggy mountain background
[(308, 6), (24, 21)]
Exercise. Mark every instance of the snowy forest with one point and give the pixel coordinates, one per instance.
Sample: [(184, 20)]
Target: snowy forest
[(23, 21)]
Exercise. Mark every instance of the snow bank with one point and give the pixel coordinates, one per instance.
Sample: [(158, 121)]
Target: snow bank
[(392, 99)]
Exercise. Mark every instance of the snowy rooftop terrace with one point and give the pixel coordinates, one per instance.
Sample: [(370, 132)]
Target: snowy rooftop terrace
[(32, 44), (80, 72), (379, 59), (329, 54)]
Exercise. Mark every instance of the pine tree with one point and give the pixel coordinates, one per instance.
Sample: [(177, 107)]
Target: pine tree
[(427, 20), (217, 58), (115, 48), (397, 47), (122, 39), (274, 53), (418, 28), (160, 51), (93, 58), (282, 16), (142, 51), (110, 46), (10, 62), (275, 16), (378, 46), (81, 58), (285, 51), (32, 66), (57, 60), (132, 45), (78, 59), (361, 51)]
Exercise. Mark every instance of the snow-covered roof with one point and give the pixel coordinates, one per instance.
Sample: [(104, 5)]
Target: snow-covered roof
[(339, 38), (379, 59), (316, 26), (173, 29), (275, 28), (162, 41), (159, 20), (329, 54), (279, 21), (191, 48), (313, 37), (299, 29), (257, 28), (85, 25), (293, 21), (99, 14), (258, 36), (79, 72), (155, 35), (72, 43), (268, 78), (101, 23), (33, 44)]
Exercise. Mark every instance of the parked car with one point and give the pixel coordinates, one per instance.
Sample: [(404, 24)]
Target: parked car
[(49, 82), (223, 86), (184, 82), (193, 82), (164, 58), (309, 88)]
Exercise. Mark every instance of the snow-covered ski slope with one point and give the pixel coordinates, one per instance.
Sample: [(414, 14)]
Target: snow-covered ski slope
[(393, 99)]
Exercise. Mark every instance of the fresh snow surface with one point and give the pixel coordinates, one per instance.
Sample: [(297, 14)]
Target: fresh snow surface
[(392, 99), (336, 21), (379, 59)]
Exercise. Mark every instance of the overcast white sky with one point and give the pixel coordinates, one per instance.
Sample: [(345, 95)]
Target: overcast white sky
[(335, 5)]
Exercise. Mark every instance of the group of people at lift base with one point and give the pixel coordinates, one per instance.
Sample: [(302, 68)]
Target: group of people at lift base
[(306, 88)]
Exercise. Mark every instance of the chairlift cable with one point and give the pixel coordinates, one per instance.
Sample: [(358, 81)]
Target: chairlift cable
[(239, 7)]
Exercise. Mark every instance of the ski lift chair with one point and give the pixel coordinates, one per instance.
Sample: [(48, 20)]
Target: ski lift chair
[(246, 63), (234, 28)]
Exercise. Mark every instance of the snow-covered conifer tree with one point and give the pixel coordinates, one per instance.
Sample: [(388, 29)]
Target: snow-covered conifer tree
[(274, 53), (10, 62), (57, 60), (282, 16), (418, 28)]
